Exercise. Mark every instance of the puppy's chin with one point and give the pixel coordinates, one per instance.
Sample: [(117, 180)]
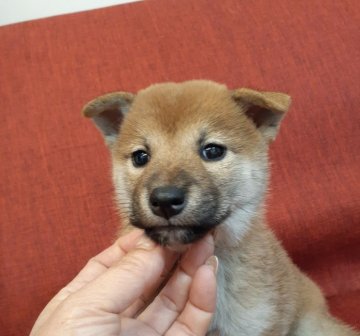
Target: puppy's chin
[(175, 237)]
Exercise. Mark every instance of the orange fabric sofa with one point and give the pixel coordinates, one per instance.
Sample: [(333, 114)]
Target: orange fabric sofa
[(56, 208)]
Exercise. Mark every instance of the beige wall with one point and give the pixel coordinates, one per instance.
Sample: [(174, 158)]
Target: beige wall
[(12, 11)]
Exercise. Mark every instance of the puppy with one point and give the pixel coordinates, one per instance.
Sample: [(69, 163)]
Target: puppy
[(192, 157)]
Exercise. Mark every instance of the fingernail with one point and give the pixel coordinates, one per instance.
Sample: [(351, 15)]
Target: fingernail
[(145, 243), (213, 261)]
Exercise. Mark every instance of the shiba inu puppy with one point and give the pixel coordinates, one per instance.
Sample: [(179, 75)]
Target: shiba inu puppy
[(192, 157)]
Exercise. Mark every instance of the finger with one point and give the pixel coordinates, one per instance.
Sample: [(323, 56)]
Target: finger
[(101, 262), (166, 307), (119, 287), (95, 266), (199, 309), (151, 290)]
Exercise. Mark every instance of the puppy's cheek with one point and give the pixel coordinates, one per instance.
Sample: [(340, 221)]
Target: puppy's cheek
[(215, 189), (203, 207), (138, 206), (132, 179), (122, 188), (247, 181), (142, 200), (143, 206), (193, 200)]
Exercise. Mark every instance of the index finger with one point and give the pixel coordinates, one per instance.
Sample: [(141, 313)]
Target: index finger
[(101, 262), (118, 288)]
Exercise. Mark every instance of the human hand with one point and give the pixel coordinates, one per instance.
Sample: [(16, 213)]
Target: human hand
[(110, 296)]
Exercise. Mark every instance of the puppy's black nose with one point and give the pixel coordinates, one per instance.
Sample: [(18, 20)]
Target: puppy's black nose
[(167, 201)]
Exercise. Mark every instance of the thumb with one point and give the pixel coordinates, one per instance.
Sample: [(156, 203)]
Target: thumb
[(123, 283)]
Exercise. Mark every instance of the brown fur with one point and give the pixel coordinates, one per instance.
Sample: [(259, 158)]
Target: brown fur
[(260, 291)]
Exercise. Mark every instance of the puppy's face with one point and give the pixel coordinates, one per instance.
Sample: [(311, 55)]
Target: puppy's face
[(187, 157)]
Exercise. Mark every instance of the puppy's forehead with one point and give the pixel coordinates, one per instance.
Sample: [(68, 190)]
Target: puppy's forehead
[(193, 90), (173, 106)]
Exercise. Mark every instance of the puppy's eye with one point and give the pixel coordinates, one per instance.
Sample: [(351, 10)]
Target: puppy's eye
[(213, 152), (140, 158)]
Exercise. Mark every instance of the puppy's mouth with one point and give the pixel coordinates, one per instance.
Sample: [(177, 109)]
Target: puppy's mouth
[(175, 235)]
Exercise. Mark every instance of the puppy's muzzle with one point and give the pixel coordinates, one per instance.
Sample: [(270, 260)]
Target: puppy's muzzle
[(167, 201)]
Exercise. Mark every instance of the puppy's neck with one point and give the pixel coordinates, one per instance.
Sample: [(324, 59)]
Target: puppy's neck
[(234, 230)]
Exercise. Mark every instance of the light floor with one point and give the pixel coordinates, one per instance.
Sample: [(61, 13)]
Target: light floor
[(12, 11)]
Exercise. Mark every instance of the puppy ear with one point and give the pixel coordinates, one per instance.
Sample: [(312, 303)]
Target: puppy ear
[(265, 109), (107, 112)]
